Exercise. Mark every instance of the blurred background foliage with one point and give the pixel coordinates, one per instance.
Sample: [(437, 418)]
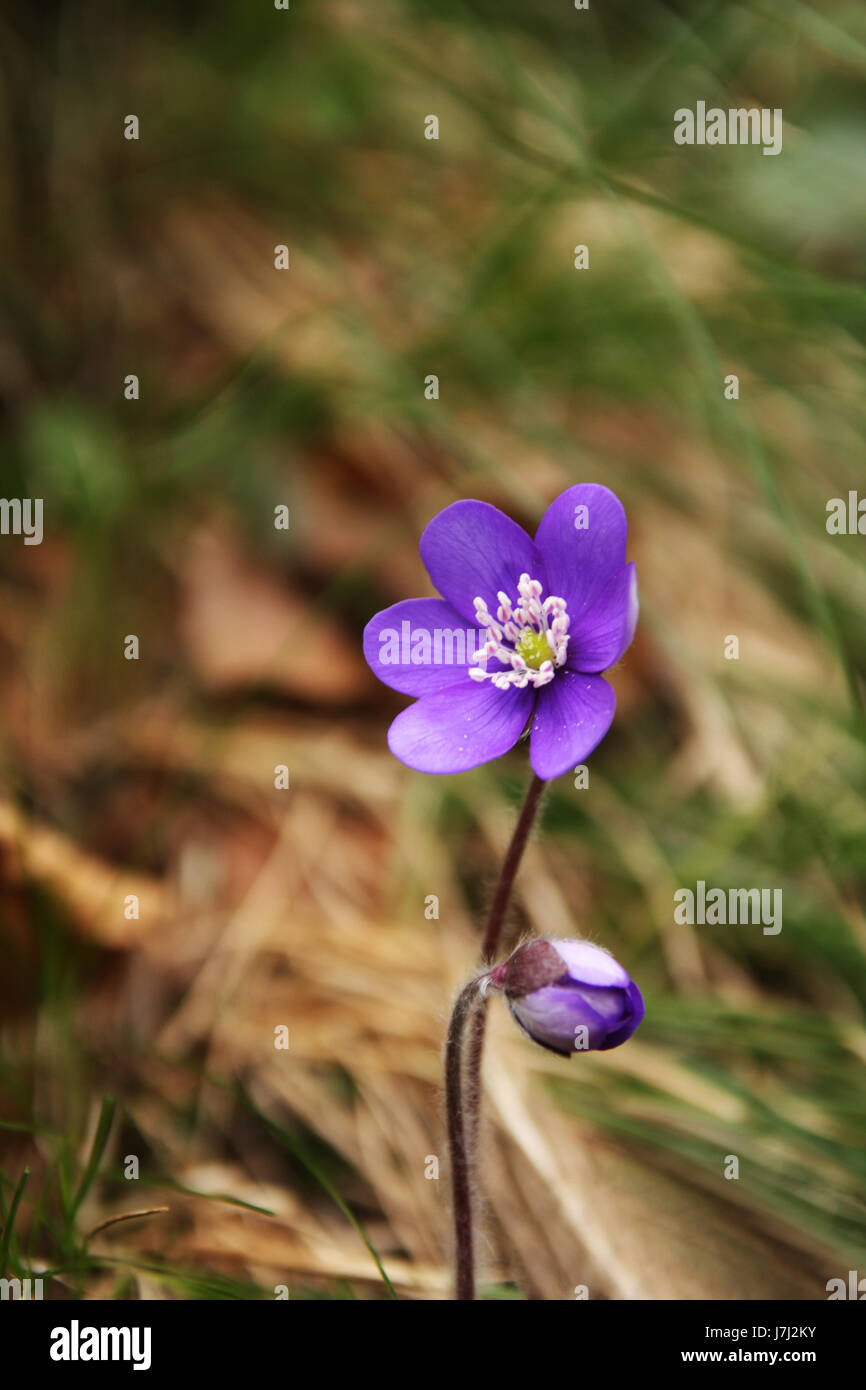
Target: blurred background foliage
[(154, 1037)]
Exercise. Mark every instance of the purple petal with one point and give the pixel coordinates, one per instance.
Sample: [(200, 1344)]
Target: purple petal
[(588, 964), (581, 563), (461, 727), (607, 627), (473, 550), (611, 1004), (551, 1016), (630, 1024), (420, 645), (572, 715)]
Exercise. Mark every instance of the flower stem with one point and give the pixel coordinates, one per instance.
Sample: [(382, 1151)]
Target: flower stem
[(461, 1153), (463, 1083), (502, 895)]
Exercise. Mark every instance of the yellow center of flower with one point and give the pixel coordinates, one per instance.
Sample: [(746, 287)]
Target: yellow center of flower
[(534, 648)]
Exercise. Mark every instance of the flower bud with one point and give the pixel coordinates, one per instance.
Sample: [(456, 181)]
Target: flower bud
[(569, 996)]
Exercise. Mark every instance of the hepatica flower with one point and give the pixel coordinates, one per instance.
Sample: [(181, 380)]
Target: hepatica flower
[(518, 639), (570, 996)]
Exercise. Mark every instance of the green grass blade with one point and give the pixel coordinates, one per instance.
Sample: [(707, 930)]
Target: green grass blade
[(100, 1139), (10, 1222)]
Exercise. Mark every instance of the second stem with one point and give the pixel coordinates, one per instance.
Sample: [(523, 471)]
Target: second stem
[(468, 1109)]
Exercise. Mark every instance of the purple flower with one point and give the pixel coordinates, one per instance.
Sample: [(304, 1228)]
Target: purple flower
[(569, 996), (519, 637)]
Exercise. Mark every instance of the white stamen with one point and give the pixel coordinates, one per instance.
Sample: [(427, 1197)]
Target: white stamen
[(548, 618)]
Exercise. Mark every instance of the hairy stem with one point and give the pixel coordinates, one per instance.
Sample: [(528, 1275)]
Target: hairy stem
[(463, 1082), (468, 1002), (489, 945)]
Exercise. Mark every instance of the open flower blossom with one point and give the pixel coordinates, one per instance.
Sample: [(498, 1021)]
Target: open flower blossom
[(569, 995), (518, 639)]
